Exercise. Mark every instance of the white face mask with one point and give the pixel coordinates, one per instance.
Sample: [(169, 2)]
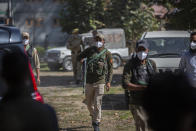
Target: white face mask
[(142, 55), (193, 45), (99, 44), (25, 41)]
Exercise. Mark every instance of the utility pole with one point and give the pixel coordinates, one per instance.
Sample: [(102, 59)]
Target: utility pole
[(10, 17), (33, 43)]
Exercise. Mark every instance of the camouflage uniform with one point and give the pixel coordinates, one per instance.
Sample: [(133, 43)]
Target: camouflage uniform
[(73, 44), (97, 76), (136, 73)]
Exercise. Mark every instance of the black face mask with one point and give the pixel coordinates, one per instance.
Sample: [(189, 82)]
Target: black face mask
[(193, 41), (192, 51)]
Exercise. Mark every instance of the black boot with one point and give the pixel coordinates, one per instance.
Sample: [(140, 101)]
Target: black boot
[(96, 126)]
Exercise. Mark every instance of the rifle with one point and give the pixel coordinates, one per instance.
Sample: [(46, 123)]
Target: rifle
[(84, 70)]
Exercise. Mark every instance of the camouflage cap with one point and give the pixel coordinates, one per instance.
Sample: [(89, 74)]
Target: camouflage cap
[(25, 34), (75, 31), (100, 36)]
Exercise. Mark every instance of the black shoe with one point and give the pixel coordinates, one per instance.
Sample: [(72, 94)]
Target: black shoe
[(96, 126)]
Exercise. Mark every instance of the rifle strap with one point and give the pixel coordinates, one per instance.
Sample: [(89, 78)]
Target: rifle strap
[(97, 56)]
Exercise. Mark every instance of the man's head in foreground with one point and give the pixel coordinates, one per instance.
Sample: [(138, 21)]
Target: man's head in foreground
[(170, 103)]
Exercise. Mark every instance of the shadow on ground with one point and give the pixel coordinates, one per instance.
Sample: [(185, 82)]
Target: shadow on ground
[(56, 81), (69, 81), (117, 80), (74, 128), (114, 102)]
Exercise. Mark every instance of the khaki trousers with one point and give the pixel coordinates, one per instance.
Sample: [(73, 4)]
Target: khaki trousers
[(139, 117), (76, 67), (94, 94)]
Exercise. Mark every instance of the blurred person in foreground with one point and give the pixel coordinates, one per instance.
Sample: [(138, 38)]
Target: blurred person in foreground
[(18, 111), (74, 43), (99, 75), (32, 55), (170, 103), (188, 60), (136, 74)]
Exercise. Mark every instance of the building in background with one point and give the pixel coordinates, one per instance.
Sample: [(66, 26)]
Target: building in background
[(41, 19), (4, 12)]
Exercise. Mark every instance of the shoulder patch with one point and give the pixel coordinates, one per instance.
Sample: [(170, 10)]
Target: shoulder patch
[(111, 61)]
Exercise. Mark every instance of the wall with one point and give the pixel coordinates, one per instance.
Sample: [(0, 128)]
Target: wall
[(40, 18)]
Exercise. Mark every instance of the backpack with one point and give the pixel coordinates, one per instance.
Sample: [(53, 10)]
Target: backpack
[(96, 64)]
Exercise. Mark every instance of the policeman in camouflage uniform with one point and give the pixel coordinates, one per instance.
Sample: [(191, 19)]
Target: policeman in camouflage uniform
[(136, 74), (99, 75), (74, 44)]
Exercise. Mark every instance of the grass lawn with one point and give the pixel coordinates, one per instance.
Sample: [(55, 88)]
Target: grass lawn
[(59, 91), (73, 114)]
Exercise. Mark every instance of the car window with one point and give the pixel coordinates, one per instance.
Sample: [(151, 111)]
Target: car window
[(167, 45), (114, 40), (4, 36)]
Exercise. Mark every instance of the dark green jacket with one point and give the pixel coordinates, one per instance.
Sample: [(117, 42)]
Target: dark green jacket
[(128, 72), (133, 71), (94, 77)]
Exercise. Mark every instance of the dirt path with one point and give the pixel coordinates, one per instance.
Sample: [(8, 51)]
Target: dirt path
[(59, 90)]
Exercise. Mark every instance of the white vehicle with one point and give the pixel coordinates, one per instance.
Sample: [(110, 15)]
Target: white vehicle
[(59, 57), (115, 43), (166, 48)]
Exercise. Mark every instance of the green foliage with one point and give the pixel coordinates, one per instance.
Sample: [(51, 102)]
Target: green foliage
[(134, 16), (184, 19), (83, 14)]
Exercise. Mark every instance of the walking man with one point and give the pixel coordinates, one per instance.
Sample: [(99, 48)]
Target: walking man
[(74, 44), (136, 74), (99, 75), (188, 60), (32, 55)]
